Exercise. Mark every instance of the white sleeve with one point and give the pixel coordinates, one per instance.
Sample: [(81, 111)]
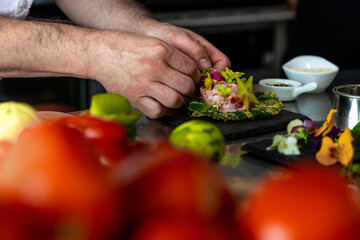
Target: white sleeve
[(15, 8)]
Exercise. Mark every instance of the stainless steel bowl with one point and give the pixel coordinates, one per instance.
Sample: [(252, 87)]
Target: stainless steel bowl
[(347, 102)]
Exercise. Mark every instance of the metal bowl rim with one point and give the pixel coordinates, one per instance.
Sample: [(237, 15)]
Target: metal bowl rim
[(336, 90)]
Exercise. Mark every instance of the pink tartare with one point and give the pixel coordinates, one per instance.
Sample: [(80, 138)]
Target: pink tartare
[(228, 103)]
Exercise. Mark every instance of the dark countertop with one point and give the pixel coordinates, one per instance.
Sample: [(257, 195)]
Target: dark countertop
[(244, 177)]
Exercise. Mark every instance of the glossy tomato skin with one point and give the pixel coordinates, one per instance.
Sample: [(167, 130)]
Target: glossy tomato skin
[(107, 138), (177, 182), (181, 228), (5, 147), (21, 222), (52, 171), (308, 204)]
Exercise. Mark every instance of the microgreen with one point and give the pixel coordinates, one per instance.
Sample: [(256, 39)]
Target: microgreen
[(223, 91), (231, 76)]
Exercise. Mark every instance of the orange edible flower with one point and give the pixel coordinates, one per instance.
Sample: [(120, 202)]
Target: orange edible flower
[(208, 82), (332, 152), (327, 125)]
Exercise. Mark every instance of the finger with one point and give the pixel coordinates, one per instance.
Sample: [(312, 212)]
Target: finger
[(184, 64), (218, 59), (181, 83), (165, 95), (202, 51), (150, 107), (185, 42)]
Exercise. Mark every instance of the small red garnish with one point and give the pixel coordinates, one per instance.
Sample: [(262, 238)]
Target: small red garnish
[(216, 76), (233, 100)]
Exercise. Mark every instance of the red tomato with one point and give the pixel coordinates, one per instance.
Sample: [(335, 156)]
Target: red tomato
[(52, 169), (183, 228), (20, 222), (177, 182), (5, 147), (108, 138), (307, 204)]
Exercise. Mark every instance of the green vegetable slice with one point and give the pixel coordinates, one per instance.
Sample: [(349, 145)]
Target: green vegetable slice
[(269, 105)]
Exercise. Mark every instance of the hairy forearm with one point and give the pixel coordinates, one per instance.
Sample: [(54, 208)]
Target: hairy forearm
[(127, 15), (30, 49)]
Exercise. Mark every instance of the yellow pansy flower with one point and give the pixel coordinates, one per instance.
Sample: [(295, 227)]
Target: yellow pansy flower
[(332, 152), (327, 125)]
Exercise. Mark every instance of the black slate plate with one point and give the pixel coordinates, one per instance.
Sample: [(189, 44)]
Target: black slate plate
[(233, 130), (258, 149)]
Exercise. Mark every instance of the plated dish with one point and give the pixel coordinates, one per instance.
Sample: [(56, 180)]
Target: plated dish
[(228, 95)]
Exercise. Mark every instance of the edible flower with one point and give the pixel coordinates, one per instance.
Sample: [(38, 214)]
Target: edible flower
[(208, 82), (246, 92), (332, 152), (215, 75), (301, 129), (327, 125), (333, 134), (285, 144), (231, 76), (309, 125), (294, 125)]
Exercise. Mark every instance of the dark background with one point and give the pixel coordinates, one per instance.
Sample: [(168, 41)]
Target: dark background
[(247, 50)]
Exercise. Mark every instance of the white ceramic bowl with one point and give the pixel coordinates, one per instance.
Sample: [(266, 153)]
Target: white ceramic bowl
[(285, 89), (309, 68)]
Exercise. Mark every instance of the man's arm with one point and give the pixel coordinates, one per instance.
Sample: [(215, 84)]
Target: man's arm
[(31, 49), (132, 16), (127, 15), (146, 70)]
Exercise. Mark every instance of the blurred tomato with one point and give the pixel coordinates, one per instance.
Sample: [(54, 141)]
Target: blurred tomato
[(5, 147), (307, 204), (107, 138), (163, 179), (181, 228), (52, 169), (21, 222)]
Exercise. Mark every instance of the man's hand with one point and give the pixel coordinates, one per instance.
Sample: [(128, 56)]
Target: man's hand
[(131, 16), (198, 48), (149, 72)]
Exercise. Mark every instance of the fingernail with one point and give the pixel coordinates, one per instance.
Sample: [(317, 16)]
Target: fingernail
[(204, 63)]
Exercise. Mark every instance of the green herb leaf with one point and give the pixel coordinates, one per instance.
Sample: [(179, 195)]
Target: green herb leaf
[(356, 134), (198, 107), (230, 76), (263, 109), (303, 134), (225, 92), (355, 168)]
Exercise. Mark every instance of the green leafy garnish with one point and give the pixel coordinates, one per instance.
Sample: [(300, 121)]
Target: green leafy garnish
[(231, 76), (202, 107), (223, 92), (355, 169), (356, 134), (233, 159), (269, 105)]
